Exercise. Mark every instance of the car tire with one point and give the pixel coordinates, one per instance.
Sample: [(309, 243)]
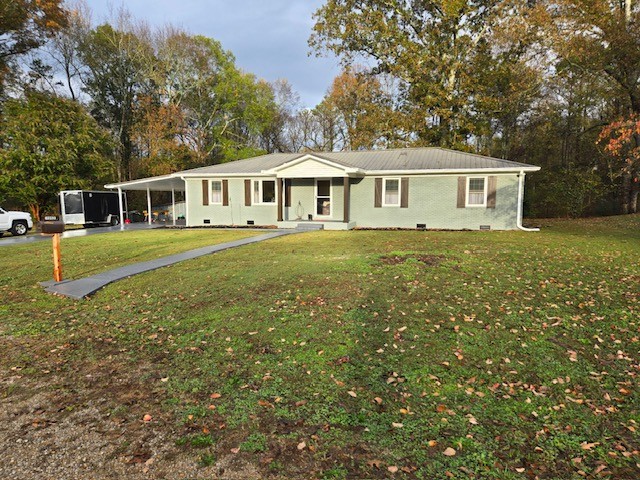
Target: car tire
[(114, 221), (19, 228)]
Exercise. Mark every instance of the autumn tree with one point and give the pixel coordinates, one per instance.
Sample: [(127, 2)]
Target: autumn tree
[(225, 109), (63, 50), (364, 110), (598, 36), (48, 144), (430, 46), (25, 25), (280, 134), (155, 136), (601, 39), (117, 62), (621, 141)]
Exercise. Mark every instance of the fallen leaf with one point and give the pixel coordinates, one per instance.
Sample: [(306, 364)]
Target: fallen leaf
[(599, 469), (302, 446), (392, 469), (235, 450), (449, 452), (378, 400), (215, 395), (397, 425), (352, 393), (432, 443), (147, 418), (589, 446)]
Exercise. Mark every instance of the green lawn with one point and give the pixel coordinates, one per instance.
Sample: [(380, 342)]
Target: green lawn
[(506, 355)]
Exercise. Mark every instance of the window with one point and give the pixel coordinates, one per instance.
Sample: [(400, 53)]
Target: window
[(264, 191), (216, 192), (476, 192), (391, 192)]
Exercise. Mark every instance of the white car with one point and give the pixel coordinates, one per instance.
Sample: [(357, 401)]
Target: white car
[(18, 223)]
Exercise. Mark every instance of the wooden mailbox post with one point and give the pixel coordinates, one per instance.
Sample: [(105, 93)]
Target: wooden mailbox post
[(53, 227)]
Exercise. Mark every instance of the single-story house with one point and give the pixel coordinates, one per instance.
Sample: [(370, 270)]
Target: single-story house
[(431, 188)]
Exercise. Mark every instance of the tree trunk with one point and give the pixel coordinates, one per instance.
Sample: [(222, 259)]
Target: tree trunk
[(633, 194), (625, 193), (35, 212)]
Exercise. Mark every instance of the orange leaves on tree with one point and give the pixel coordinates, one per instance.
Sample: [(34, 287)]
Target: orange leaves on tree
[(621, 140)]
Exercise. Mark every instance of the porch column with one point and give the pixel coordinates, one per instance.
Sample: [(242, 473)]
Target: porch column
[(347, 197), (173, 206), (149, 206), (121, 209), (280, 194)]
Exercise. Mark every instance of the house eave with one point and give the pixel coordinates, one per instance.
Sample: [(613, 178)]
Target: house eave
[(453, 171)]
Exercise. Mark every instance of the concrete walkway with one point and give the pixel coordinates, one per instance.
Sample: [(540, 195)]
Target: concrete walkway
[(78, 289)]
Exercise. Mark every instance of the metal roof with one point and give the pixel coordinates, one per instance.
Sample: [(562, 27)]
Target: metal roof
[(405, 159)]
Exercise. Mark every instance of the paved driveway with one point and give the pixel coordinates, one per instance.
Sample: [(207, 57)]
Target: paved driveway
[(82, 232)]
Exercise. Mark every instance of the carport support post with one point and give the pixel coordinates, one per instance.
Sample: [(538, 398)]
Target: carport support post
[(121, 209), (173, 205), (149, 216)]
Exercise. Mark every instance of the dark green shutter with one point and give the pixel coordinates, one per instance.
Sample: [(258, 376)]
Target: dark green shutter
[(462, 191), (378, 193), (491, 192), (404, 192), (205, 192), (247, 193)]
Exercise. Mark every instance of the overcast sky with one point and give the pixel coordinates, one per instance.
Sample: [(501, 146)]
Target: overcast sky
[(267, 37)]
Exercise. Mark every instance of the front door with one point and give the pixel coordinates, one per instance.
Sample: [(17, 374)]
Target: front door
[(323, 198)]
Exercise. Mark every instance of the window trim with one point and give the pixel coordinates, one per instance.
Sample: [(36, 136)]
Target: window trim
[(384, 192), (484, 196), (211, 202), (261, 191)]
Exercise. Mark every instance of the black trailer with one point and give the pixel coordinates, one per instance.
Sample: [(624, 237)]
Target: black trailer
[(91, 208)]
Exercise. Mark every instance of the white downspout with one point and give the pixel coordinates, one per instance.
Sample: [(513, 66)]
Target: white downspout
[(186, 203), (520, 201)]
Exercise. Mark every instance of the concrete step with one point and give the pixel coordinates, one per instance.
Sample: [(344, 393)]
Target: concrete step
[(306, 227)]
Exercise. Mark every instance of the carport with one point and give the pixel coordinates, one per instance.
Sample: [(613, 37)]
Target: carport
[(164, 183)]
